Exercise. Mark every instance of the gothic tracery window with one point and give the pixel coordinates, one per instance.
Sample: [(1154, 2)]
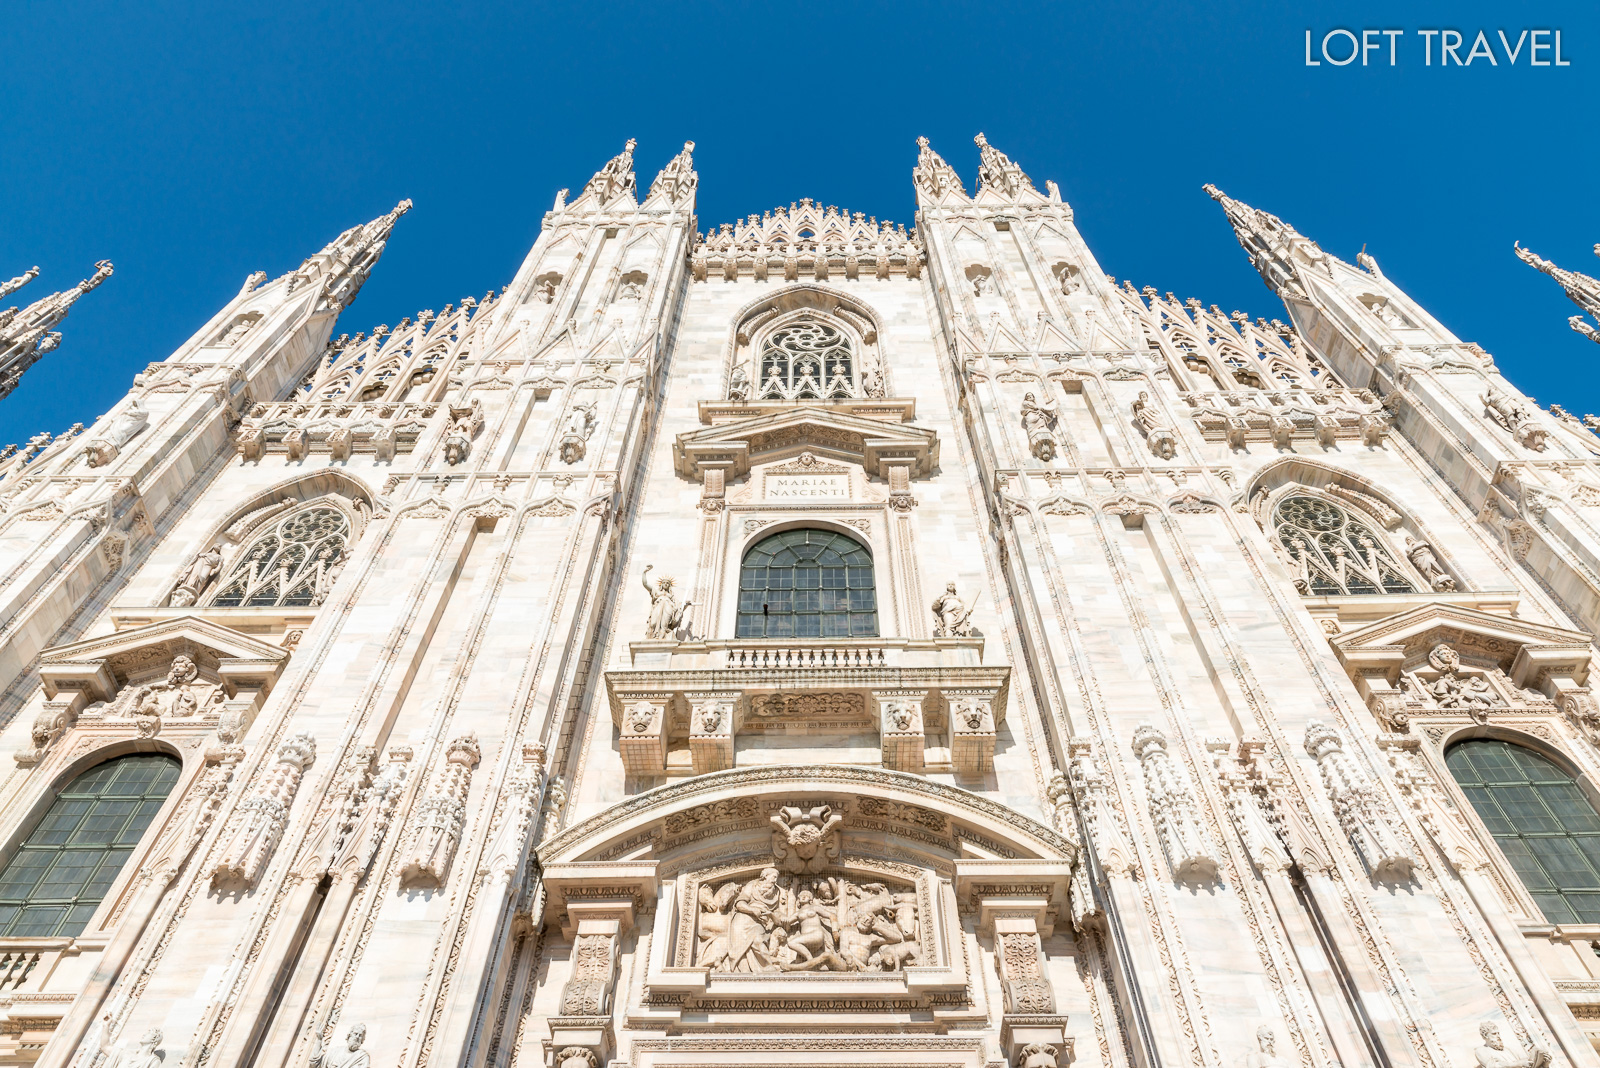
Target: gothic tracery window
[(292, 564), (807, 584), (1334, 552), (63, 869), (807, 360), (1541, 820)]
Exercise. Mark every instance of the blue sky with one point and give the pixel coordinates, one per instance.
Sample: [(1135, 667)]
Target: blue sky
[(193, 143)]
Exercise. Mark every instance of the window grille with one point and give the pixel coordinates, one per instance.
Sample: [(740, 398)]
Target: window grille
[(807, 584)]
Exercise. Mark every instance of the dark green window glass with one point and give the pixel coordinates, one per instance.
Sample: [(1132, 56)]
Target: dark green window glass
[(62, 871), (807, 584), (1544, 824)]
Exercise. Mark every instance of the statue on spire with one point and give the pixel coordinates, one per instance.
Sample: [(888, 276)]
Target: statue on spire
[(615, 178), (8, 288), (677, 179), (1581, 289), (1276, 249), (997, 172), (29, 334), (932, 174), (344, 263)]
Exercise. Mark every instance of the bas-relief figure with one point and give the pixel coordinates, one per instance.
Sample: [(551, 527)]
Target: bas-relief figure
[(787, 923), (452, 905)]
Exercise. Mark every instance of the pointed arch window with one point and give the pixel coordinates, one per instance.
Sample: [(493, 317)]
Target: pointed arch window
[(1541, 820), (807, 584), (1334, 552), (63, 869), (807, 360), (292, 564)]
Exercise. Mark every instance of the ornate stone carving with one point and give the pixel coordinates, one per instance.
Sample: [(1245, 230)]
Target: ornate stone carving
[(124, 428), (668, 619), (1455, 689), (1157, 434), (1363, 811), (1038, 421), (593, 962), (1493, 1052), (576, 1057), (996, 171), (262, 816), (353, 1055), (1037, 1055), (1422, 557), (823, 923), (197, 577), (147, 1054), (1265, 1054), (951, 617), (575, 437), (441, 814), (1173, 808), (1516, 419), (805, 840), (1027, 988), (465, 422)]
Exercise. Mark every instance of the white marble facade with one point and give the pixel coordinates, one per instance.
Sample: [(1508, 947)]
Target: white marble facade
[(1115, 734)]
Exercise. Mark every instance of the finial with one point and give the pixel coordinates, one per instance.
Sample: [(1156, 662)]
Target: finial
[(1212, 191)]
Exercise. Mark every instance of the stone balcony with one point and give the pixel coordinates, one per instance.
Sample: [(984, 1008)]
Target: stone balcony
[(705, 694)]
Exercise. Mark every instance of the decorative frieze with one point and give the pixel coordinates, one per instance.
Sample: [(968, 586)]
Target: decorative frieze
[(339, 428)]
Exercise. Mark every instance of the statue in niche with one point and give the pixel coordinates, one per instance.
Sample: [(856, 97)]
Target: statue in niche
[(739, 384), (790, 923), (124, 428), (330, 563), (1159, 436), (1383, 311), (1265, 1054), (667, 616), (951, 617), (575, 439), (197, 577), (980, 284), (872, 383), (1421, 555), (1493, 1052), (1037, 421)]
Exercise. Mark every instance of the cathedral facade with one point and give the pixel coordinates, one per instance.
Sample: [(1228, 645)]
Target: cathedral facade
[(804, 642)]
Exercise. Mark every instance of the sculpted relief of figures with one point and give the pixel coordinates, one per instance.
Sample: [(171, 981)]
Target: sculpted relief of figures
[(792, 923), (668, 618)]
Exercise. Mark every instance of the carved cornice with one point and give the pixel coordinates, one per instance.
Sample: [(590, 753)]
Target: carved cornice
[(795, 428)]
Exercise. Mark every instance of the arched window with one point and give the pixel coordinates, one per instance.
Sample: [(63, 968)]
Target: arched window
[(293, 564), (1544, 824), (807, 584), (62, 870), (807, 360), (1334, 552)]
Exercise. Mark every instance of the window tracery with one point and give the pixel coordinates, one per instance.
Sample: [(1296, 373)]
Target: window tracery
[(294, 563), (807, 360), (1334, 552)]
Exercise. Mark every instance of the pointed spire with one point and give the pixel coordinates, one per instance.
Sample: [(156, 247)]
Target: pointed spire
[(614, 179), (997, 172), (1276, 249), (344, 263), (1580, 288), (8, 288), (677, 179), (29, 334), (932, 174)]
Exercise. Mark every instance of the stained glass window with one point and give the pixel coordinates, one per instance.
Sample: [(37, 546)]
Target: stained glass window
[(1334, 552), (1542, 821), (62, 870), (292, 564), (807, 360), (807, 584)]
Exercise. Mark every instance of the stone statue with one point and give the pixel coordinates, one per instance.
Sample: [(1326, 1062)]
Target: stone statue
[(575, 439), (665, 613), (576, 1057), (1515, 418), (1420, 553), (1455, 690), (124, 428), (1037, 419), (805, 840), (1159, 436), (1493, 1052), (330, 564), (1265, 1054), (352, 1056), (146, 1055), (739, 384), (197, 577), (951, 617)]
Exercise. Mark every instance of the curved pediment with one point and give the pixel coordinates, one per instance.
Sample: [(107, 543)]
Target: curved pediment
[(794, 428), (675, 824)]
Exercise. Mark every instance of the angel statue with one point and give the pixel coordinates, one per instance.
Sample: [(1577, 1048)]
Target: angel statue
[(668, 618)]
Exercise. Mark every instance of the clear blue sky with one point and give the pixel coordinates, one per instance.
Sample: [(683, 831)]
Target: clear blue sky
[(193, 143)]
